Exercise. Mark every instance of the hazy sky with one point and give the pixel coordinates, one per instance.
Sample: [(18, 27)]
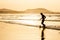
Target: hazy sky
[(53, 5)]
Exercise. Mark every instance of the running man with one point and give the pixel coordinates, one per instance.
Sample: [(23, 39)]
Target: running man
[(43, 19)]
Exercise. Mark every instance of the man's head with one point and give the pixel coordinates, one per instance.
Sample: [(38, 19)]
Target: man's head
[(41, 13)]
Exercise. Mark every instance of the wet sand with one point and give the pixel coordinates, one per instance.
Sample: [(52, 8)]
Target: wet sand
[(21, 32)]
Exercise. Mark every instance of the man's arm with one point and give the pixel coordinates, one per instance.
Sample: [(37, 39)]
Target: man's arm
[(44, 16)]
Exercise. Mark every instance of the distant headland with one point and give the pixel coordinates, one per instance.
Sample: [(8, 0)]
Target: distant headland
[(37, 10)]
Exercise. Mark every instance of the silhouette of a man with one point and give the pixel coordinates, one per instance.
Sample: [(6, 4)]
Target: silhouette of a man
[(43, 19)]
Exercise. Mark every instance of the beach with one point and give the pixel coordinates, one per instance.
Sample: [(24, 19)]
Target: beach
[(21, 32), (12, 29)]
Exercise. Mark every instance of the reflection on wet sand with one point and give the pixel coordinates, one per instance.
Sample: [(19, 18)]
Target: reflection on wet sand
[(20, 32)]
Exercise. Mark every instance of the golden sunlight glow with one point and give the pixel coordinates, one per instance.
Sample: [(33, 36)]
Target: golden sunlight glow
[(52, 5), (30, 19)]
